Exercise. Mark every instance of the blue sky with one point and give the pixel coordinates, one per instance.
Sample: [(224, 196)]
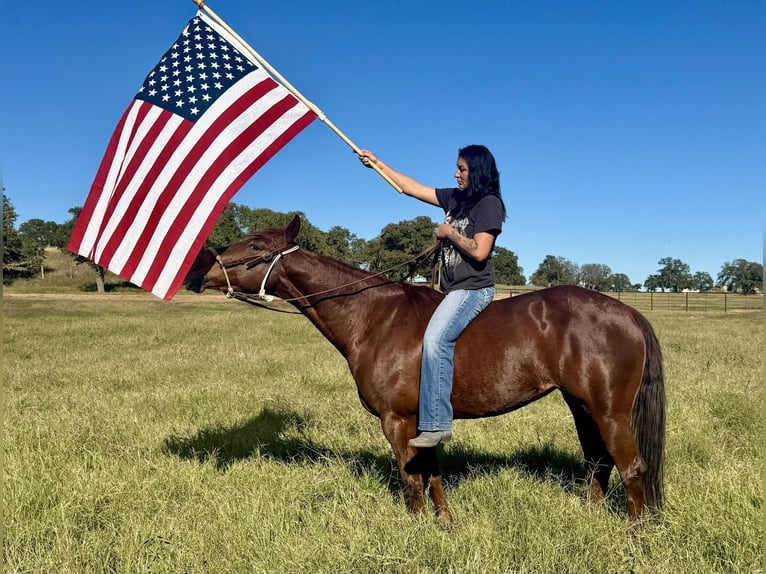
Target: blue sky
[(624, 132)]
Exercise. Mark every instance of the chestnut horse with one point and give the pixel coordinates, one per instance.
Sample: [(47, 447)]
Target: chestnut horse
[(602, 355)]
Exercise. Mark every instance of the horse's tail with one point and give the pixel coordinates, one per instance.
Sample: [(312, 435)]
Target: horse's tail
[(648, 419)]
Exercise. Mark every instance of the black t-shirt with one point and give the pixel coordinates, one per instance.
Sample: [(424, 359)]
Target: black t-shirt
[(457, 271)]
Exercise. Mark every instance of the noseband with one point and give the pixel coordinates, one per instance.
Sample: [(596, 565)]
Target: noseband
[(251, 262)]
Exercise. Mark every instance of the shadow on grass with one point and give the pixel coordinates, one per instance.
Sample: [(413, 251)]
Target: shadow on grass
[(280, 435), (275, 435)]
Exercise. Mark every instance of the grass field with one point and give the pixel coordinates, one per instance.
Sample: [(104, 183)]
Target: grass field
[(202, 435)]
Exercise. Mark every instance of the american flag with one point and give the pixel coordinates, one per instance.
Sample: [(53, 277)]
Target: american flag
[(204, 121)]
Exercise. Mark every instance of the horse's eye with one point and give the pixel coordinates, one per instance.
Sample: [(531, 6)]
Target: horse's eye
[(253, 248)]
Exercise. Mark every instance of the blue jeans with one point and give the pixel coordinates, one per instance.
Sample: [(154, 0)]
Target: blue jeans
[(452, 316)]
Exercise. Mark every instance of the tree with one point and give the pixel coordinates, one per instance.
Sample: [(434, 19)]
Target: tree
[(65, 231), (345, 246), (227, 229), (12, 245), (555, 271), (674, 275), (39, 232), (596, 276), (397, 244), (702, 281), (741, 275), (36, 235), (507, 269), (620, 282), (652, 283)]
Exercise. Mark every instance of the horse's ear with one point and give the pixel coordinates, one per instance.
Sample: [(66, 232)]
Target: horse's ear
[(292, 229)]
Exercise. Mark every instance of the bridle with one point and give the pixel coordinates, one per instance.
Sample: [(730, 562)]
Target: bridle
[(272, 257), (252, 261)]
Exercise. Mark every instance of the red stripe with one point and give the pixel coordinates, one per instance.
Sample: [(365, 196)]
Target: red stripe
[(212, 219), (96, 187), (251, 133), (142, 190), (204, 141), (235, 147)]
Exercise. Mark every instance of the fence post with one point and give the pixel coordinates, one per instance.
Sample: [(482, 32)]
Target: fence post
[(687, 302), (725, 302)]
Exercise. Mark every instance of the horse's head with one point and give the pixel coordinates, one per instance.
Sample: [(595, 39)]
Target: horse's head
[(242, 266)]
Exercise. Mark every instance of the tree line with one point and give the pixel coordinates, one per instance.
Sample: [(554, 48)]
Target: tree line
[(391, 252)]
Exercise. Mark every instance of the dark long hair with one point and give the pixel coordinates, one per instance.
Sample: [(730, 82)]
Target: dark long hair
[(483, 179)]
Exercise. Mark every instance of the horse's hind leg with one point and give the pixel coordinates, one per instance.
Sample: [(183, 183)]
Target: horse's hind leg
[(597, 458), (621, 444)]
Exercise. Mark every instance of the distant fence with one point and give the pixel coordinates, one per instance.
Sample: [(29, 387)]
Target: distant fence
[(689, 302)]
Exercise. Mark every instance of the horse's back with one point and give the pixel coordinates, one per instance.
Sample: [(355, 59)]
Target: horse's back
[(521, 348)]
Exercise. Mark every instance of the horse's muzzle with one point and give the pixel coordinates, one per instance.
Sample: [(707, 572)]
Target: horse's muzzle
[(195, 278)]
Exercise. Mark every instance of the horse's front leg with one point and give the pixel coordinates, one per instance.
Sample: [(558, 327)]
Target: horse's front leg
[(398, 431), (419, 468)]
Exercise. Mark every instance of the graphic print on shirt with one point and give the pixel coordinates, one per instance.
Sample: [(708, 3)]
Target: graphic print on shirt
[(451, 256)]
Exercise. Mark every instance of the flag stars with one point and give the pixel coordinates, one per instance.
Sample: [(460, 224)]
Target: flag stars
[(194, 72)]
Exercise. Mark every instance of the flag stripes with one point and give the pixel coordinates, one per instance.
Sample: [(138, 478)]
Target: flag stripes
[(165, 179)]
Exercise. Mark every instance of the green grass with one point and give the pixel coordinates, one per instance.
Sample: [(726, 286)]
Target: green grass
[(202, 435)]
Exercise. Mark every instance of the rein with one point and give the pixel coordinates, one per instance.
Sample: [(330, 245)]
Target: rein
[(274, 257)]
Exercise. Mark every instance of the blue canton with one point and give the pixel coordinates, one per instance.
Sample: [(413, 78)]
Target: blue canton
[(194, 72)]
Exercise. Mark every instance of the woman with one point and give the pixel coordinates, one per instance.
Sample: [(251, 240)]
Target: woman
[(474, 218)]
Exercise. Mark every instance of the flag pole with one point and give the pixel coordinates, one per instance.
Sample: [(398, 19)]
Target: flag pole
[(292, 89)]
